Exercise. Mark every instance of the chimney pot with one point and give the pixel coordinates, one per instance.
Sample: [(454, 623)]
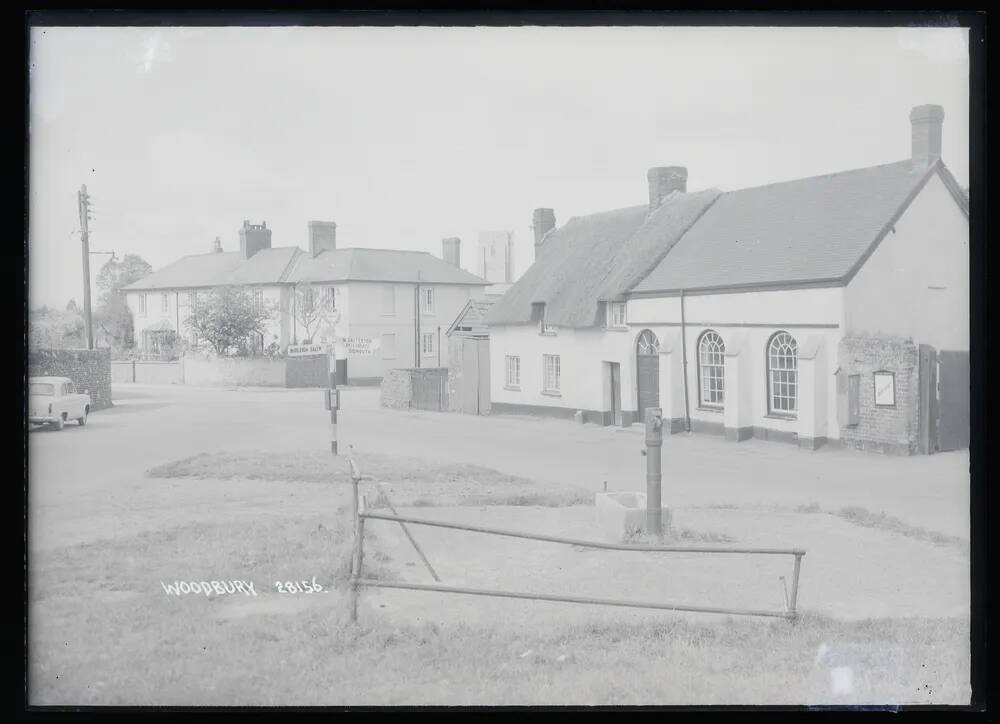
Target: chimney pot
[(542, 222), (663, 181), (254, 238), (322, 237), (925, 127), (451, 251)]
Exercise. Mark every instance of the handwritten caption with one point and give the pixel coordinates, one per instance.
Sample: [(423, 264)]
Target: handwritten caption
[(230, 588)]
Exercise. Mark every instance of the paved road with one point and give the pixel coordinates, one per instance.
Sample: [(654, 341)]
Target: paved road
[(89, 483)]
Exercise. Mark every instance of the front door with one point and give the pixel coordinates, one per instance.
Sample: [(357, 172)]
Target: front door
[(616, 392), (647, 371)]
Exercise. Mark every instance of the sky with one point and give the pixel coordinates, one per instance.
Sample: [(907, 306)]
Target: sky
[(404, 136)]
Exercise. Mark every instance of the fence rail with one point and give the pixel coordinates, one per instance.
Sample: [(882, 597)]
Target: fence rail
[(361, 514)]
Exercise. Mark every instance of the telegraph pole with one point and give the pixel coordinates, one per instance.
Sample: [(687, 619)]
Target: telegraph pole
[(83, 201)]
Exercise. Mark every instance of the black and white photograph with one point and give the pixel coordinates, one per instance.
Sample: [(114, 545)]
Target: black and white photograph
[(499, 365)]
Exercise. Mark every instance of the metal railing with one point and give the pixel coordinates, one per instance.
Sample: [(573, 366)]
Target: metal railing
[(357, 581)]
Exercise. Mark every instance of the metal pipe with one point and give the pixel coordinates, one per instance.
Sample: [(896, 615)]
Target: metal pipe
[(402, 525), (684, 359), (583, 543), (654, 478), (357, 561), (568, 599)]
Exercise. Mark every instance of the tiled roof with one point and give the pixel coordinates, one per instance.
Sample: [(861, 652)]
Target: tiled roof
[(597, 258), (811, 230), (380, 265)]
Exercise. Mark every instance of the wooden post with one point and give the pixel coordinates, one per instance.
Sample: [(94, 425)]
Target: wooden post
[(795, 585)]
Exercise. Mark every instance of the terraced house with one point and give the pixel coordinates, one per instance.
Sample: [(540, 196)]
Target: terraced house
[(392, 306), (832, 309)]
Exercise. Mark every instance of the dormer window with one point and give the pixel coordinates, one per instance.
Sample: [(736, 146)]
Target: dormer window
[(615, 315), (538, 313)]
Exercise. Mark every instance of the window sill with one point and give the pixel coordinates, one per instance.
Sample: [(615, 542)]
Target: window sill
[(779, 416), (616, 329), (551, 393), (512, 388), (547, 334), (718, 410)]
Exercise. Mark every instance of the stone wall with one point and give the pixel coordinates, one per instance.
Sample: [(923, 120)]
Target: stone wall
[(89, 369), (884, 429), (422, 388)]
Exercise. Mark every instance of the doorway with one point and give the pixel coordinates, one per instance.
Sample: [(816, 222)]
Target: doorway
[(615, 392)]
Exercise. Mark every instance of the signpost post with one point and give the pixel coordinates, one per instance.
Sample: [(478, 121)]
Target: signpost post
[(654, 441)]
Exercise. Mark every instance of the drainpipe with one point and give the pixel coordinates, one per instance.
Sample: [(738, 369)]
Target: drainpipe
[(416, 323), (684, 356)]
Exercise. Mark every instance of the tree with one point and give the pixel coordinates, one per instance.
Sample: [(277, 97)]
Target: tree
[(314, 307), (116, 274), (112, 316), (228, 318), (56, 329)]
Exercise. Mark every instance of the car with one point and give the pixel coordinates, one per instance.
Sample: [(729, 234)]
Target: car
[(54, 401)]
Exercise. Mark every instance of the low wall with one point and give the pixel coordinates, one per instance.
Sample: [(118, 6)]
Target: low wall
[(89, 369), (415, 388), (148, 372), (234, 371)]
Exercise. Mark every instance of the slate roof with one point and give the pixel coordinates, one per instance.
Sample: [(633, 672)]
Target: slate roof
[(289, 264), (811, 230), (597, 258), (267, 266), (382, 265)]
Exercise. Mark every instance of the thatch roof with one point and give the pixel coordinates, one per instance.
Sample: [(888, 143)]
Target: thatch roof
[(597, 258)]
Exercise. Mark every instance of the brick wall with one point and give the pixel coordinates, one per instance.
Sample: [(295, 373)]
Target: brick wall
[(883, 429), (90, 369)]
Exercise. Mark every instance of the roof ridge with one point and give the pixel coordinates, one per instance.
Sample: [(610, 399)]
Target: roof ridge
[(818, 176)]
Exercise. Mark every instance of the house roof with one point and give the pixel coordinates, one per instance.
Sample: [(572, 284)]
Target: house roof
[(289, 264), (267, 266), (807, 231), (597, 258), (379, 265), (472, 317)]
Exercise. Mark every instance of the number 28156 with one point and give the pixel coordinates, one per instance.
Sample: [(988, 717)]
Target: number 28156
[(299, 586)]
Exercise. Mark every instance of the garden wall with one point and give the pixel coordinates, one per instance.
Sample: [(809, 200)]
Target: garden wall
[(89, 369)]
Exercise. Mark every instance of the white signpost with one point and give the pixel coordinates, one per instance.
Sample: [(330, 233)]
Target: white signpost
[(305, 350)]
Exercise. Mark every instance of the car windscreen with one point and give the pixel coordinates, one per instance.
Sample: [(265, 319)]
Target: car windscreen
[(41, 388)]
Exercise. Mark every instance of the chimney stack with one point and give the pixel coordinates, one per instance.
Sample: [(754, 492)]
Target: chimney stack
[(663, 181), (322, 237), (542, 222), (253, 238), (926, 122), (217, 245), (451, 251)]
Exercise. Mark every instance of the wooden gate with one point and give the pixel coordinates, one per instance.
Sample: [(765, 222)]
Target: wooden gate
[(944, 400), (647, 368), (474, 383), (953, 400)]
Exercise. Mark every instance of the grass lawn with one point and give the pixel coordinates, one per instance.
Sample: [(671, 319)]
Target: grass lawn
[(408, 481), (103, 631)]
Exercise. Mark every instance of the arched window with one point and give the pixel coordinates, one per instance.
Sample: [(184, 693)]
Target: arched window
[(647, 344), (782, 374), (712, 369)]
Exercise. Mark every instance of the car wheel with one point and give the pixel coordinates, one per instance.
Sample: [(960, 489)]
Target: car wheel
[(59, 423), (81, 421)]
